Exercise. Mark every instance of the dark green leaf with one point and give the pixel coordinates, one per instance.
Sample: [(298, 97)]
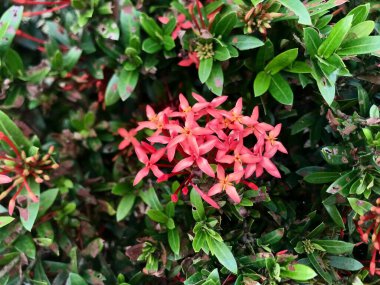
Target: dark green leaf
[(345, 263), (226, 23), (174, 240), (222, 253), (125, 206), (335, 246)]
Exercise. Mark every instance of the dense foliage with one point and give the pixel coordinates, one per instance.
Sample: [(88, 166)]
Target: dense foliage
[(189, 142)]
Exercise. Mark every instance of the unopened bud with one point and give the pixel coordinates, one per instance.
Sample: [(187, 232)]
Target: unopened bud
[(46, 177), (38, 180)]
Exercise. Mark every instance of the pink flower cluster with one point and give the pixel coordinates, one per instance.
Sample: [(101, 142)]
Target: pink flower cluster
[(191, 139)]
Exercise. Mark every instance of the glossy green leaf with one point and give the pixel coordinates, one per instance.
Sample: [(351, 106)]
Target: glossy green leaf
[(359, 13), (359, 206), (261, 83), (10, 129), (198, 209), (359, 46), (335, 38), (199, 240), (32, 208), (335, 246), (174, 240), (150, 27), (280, 89), (204, 70), (5, 220), (216, 79), (127, 83), (9, 24), (46, 200), (335, 155), (151, 46), (361, 30), (322, 177), (243, 42), (225, 24), (24, 244), (222, 253), (345, 263), (298, 272), (272, 237), (332, 210), (109, 30), (125, 206), (312, 41), (75, 279), (281, 61), (112, 95), (299, 9), (157, 216), (312, 257), (222, 53), (129, 21)]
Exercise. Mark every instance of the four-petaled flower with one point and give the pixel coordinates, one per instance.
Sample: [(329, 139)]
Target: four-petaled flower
[(226, 183), (150, 163)]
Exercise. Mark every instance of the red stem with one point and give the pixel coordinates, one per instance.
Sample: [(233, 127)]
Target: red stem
[(200, 14), (38, 13), (31, 2), (29, 37)]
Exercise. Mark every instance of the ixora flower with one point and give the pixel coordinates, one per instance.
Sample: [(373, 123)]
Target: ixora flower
[(196, 140), (367, 224), (18, 168)]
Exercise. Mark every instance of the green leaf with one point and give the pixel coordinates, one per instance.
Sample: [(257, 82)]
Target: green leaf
[(71, 58), (205, 67), (5, 220), (221, 53), (168, 42), (157, 216), (334, 214), (32, 208), (299, 67), (198, 209), (13, 62), (359, 46), (335, 38), (174, 240), (150, 198), (151, 46), (303, 123), (359, 13), (312, 41), (9, 24), (216, 79), (272, 237), (261, 83), (128, 21), (125, 206), (335, 246), (24, 244), (359, 206), (222, 253), (226, 23), (281, 61), (120, 189), (321, 177), (199, 240), (317, 266), (342, 182), (46, 200), (298, 272), (151, 27), (361, 30), (112, 95), (243, 42), (75, 279), (127, 83), (335, 155), (345, 263), (13, 132), (280, 90), (109, 30), (299, 9)]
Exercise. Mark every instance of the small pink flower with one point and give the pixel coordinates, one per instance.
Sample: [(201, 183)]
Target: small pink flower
[(149, 163), (128, 138), (271, 140), (226, 183), (192, 58), (5, 179), (253, 125)]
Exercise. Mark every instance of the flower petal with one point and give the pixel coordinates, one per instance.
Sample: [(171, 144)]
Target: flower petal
[(156, 171), (231, 192), (217, 188), (206, 198), (140, 175), (184, 163), (141, 155), (5, 179), (205, 166)]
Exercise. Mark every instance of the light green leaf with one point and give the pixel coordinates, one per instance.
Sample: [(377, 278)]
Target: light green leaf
[(205, 67), (359, 13), (243, 42), (261, 83), (125, 206), (359, 206), (222, 253), (198, 209), (112, 95), (216, 79), (174, 240), (157, 216), (312, 41), (32, 207), (225, 24), (359, 46), (335, 38), (9, 24), (5, 220), (299, 9), (298, 272), (127, 83)]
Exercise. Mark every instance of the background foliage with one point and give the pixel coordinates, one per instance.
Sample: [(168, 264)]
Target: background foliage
[(74, 72)]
